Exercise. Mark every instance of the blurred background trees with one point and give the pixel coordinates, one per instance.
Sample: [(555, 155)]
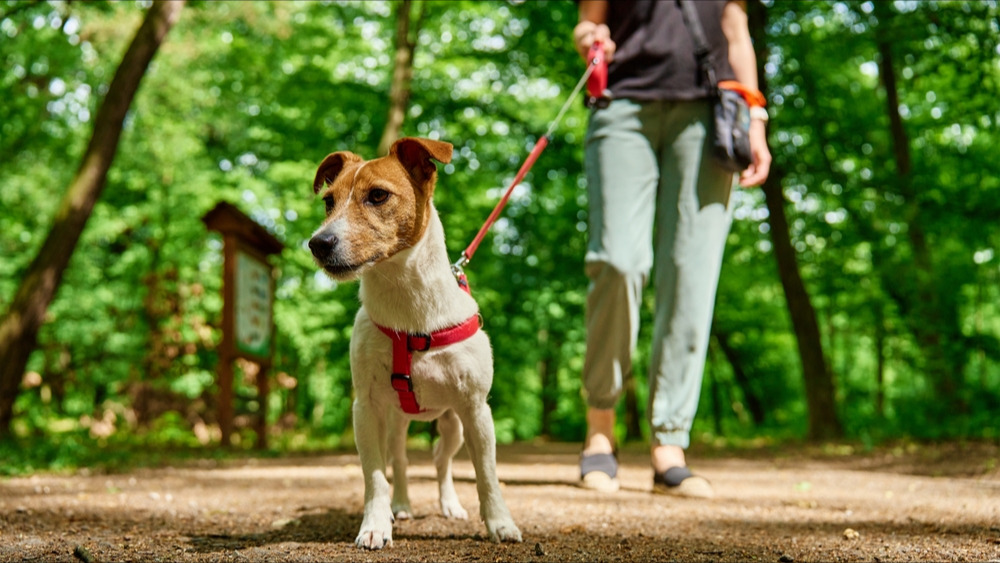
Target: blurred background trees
[(884, 123)]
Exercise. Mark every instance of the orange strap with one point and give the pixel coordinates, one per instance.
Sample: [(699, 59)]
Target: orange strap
[(754, 98)]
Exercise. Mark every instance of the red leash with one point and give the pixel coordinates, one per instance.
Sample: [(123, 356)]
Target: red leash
[(405, 344), (596, 78)]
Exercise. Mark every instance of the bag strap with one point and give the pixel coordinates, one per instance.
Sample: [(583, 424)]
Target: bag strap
[(701, 51)]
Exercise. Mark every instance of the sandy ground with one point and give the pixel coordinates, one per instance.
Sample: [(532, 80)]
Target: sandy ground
[(889, 506)]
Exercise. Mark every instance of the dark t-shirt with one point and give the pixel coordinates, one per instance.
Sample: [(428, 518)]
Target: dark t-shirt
[(654, 59)]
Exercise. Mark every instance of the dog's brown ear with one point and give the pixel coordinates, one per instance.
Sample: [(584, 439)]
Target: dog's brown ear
[(416, 154), (331, 167), (409, 148)]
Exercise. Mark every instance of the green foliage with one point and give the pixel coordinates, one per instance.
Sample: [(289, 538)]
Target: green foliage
[(71, 451), (245, 98)]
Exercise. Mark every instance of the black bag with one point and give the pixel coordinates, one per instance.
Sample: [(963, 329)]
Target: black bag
[(731, 133), (730, 112)]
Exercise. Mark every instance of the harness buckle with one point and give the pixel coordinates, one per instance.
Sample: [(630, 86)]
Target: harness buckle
[(401, 382), (426, 344)]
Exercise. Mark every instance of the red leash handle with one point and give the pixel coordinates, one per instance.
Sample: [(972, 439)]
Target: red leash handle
[(598, 81), (528, 162), (597, 84)]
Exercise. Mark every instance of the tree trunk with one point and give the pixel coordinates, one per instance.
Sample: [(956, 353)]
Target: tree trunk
[(19, 326), (820, 396), (824, 423), (934, 311), (402, 74)]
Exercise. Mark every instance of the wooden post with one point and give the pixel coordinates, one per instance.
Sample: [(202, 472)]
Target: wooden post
[(227, 349), (261, 423), (247, 309)]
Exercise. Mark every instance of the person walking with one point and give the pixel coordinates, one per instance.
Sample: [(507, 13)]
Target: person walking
[(658, 202)]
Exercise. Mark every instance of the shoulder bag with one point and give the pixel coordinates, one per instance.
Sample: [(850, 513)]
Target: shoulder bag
[(731, 113)]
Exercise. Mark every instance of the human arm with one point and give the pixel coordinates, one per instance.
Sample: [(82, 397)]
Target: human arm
[(593, 27), (743, 61)]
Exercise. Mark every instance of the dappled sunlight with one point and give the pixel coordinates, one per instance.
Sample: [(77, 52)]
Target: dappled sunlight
[(896, 263)]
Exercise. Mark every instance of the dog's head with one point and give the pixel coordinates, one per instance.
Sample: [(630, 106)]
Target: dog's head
[(374, 208)]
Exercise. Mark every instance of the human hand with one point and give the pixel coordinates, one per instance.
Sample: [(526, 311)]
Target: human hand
[(757, 172), (586, 32)]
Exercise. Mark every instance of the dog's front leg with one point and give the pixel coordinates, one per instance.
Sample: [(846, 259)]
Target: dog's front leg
[(370, 437), (398, 425), (481, 441)]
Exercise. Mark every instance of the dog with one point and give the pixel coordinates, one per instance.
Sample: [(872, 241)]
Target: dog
[(381, 228)]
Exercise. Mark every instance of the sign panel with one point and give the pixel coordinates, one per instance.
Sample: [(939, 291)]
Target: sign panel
[(253, 305)]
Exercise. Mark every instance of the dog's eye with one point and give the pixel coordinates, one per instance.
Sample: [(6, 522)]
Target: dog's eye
[(328, 200), (377, 196)]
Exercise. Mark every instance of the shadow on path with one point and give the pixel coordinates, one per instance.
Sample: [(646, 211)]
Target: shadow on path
[(331, 526)]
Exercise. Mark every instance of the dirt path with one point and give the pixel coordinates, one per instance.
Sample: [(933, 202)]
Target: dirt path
[(885, 507)]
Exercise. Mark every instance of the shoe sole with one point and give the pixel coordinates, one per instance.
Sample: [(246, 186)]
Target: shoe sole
[(692, 487), (601, 482)]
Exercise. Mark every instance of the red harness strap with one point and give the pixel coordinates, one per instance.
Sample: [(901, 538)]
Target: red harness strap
[(405, 344)]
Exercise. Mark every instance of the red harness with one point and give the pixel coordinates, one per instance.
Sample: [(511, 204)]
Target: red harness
[(404, 344)]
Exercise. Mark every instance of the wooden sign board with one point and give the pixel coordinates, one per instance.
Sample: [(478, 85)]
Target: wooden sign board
[(247, 308), (254, 294)]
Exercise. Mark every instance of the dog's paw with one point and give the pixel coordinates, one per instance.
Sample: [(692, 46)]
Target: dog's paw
[(402, 512), (374, 539), (504, 530), (375, 533), (451, 508)]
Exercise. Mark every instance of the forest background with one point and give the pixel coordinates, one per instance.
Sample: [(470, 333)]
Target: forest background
[(860, 290)]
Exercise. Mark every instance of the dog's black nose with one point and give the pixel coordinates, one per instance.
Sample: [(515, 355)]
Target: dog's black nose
[(322, 245)]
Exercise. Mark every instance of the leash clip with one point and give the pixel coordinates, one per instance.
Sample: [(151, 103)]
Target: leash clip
[(458, 268), (462, 262)]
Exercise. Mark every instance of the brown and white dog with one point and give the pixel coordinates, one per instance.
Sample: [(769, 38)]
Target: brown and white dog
[(381, 227)]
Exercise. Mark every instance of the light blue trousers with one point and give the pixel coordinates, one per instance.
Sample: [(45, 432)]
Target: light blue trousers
[(656, 198)]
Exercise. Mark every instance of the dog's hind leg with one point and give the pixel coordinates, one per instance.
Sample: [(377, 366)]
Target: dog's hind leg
[(450, 430), (370, 437), (480, 437), (398, 426)]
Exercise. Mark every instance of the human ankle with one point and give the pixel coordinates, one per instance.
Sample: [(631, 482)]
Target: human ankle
[(664, 457), (598, 444), (600, 431)]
